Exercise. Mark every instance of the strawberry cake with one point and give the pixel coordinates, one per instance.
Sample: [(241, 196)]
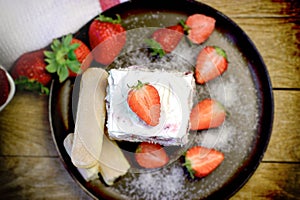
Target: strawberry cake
[(175, 90)]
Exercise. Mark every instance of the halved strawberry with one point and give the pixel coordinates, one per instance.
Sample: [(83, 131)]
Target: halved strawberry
[(107, 38), (167, 38), (67, 57), (199, 27), (29, 72), (144, 100), (201, 161), (149, 155), (207, 114), (211, 63)]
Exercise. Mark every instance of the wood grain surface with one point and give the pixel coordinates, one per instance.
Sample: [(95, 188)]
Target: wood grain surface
[(31, 169)]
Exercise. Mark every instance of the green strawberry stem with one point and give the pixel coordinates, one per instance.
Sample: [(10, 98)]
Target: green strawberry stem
[(138, 86), (103, 18), (23, 83), (188, 166), (139, 149), (220, 52), (62, 58), (188, 41), (221, 107), (156, 48), (186, 29)]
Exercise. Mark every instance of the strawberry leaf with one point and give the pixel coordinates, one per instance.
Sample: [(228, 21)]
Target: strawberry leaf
[(56, 43), (62, 58), (188, 41), (138, 149), (220, 52), (138, 86), (103, 18), (67, 40), (185, 27), (44, 90), (156, 48), (48, 60), (74, 46), (189, 168), (23, 83), (72, 55), (73, 66), (51, 68), (63, 73), (49, 54)]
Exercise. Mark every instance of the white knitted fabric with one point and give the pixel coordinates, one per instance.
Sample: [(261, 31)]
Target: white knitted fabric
[(27, 25)]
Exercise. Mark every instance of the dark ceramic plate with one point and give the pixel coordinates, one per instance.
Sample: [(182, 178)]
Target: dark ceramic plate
[(244, 89)]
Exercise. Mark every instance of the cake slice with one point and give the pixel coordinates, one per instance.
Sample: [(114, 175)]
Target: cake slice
[(176, 98)]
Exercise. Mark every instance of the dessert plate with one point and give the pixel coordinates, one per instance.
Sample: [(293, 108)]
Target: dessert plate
[(244, 90)]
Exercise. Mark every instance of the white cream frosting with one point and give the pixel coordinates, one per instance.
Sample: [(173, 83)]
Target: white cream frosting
[(176, 92)]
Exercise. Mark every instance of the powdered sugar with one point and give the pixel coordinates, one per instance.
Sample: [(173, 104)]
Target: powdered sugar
[(167, 183)]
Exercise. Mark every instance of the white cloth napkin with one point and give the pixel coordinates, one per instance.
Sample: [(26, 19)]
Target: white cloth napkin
[(28, 25)]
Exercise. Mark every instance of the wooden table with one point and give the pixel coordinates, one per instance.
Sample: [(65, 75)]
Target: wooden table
[(31, 169)]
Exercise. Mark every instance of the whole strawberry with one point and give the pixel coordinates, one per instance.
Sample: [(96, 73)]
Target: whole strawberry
[(165, 40), (201, 161), (149, 155), (107, 38), (29, 72), (67, 57), (143, 99), (208, 113), (4, 87), (211, 63)]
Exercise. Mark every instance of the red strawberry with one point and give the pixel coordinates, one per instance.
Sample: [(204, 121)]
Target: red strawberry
[(168, 38), (83, 56), (211, 63), (29, 72), (144, 100), (200, 27), (107, 38), (149, 155), (207, 114), (67, 57), (4, 87), (201, 161)]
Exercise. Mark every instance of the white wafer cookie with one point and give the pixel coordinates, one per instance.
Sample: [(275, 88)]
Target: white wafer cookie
[(87, 173), (90, 118)]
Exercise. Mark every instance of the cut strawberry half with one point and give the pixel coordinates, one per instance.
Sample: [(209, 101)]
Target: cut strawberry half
[(149, 155), (201, 161), (199, 27), (211, 63), (207, 114), (167, 39), (144, 100)]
